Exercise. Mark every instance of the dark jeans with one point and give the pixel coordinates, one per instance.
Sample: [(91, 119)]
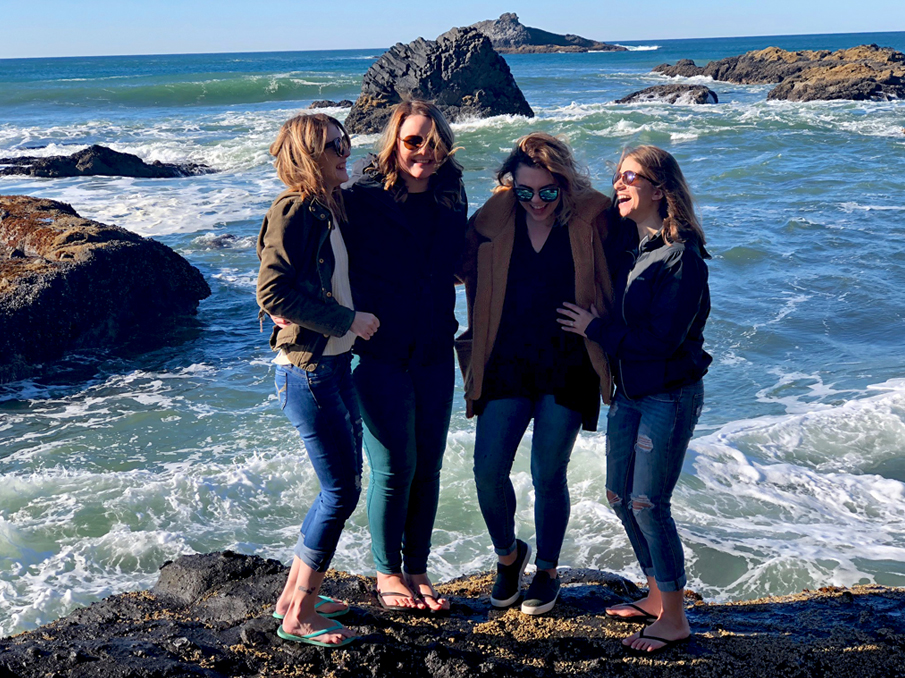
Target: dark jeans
[(323, 408), (646, 441), (406, 409), (500, 429)]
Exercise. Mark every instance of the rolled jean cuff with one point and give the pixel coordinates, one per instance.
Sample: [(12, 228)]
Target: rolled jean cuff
[(545, 564), (670, 586), (506, 552), (316, 560)]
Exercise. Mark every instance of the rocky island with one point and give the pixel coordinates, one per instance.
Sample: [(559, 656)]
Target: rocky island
[(210, 615), (69, 283), (459, 71), (867, 72), (510, 36), (97, 160)]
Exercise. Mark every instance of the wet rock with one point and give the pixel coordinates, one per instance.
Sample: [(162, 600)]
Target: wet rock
[(328, 103), (672, 94), (459, 71), (508, 35), (69, 283), (170, 631), (97, 161), (867, 72)]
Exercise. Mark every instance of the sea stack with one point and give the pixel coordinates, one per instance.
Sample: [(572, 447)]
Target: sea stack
[(459, 71), (510, 36)]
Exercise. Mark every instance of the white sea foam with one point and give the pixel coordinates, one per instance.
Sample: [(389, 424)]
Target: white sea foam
[(639, 48)]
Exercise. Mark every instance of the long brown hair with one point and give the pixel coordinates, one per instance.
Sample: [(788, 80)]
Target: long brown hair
[(544, 151), (448, 187), (677, 206), (300, 142)]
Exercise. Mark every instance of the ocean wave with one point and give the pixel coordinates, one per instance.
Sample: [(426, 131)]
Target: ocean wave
[(639, 48), (205, 90)]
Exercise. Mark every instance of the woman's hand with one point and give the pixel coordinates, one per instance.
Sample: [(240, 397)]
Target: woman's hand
[(282, 323), (576, 318), (364, 325)]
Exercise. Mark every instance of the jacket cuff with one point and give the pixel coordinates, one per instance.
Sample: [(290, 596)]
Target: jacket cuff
[(608, 335)]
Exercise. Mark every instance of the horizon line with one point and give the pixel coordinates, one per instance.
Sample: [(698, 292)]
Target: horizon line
[(383, 49)]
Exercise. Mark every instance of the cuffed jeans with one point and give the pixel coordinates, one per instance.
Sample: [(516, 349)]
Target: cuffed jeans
[(323, 408), (646, 442), (499, 431), (406, 409)]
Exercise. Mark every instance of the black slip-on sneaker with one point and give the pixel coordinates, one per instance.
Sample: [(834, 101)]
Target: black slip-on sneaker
[(542, 594), (507, 587)]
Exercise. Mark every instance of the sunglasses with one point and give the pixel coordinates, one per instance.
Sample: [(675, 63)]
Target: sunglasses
[(628, 177), (415, 141), (340, 145), (547, 193)]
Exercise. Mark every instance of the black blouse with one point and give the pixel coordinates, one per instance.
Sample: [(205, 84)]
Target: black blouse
[(532, 355)]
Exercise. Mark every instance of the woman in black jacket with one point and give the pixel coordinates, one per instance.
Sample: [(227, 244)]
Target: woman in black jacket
[(656, 347), (406, 235)]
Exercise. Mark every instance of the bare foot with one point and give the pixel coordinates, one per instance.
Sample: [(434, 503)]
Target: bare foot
[(661, 628), (314, 623), (421, 584), (629, 610), (395, 583)]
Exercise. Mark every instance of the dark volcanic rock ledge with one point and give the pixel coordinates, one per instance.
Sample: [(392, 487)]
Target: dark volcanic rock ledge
[(672, 94), (97, 161), (68, 283), (860, 73), (210, 615), (460, 72), (510, 36)]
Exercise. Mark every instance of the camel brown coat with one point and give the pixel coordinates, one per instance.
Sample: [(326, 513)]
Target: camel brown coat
[(485, 272)]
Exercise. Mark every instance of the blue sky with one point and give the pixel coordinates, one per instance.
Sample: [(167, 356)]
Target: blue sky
[(34, 28)]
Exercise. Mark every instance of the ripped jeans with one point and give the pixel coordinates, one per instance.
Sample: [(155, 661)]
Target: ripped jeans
[(646, 440)]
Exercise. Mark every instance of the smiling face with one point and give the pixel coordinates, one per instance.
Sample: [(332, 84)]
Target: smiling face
[(539, 212), (333, 166), (639, 201), (416, 166)]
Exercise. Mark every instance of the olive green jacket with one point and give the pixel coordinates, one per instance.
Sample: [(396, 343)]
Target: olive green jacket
[(294, 280)]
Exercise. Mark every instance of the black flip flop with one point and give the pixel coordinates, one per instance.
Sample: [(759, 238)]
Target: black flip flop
[(396, 608), (666, 645), (644, 618)]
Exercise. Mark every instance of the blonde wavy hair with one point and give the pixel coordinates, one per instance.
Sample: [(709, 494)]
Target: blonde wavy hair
[(544, 151), (300, 143), (677, 207), (448, 187)]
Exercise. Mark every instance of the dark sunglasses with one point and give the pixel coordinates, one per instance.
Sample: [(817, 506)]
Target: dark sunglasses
[(628, 177), (415, 141), (340, 145), (547, 193)]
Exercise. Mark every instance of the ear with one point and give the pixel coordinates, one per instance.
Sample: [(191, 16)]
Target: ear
[(658, 194)]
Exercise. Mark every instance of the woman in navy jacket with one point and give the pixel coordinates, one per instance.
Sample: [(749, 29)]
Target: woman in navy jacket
[(656, 348)]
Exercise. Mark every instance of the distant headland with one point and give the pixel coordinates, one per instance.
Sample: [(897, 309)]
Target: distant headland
[(509, 36)]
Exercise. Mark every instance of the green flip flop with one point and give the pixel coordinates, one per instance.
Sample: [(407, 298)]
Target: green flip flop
[(308, 638), (328, 615)]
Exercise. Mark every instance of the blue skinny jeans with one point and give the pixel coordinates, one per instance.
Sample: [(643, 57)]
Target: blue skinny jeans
[(499, 431), (646, 441), (406, 408), (324, 410)]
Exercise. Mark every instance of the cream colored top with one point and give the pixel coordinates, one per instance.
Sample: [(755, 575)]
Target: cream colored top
[(342, 292)]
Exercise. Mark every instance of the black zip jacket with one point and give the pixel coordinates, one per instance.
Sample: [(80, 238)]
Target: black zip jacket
[(403, 273), (656, 343)]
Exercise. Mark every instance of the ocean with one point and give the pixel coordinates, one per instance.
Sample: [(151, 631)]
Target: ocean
[(113, 462)]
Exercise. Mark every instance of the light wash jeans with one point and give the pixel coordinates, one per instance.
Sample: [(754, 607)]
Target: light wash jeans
[(500, 429), (322, 406), (646, 441)]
